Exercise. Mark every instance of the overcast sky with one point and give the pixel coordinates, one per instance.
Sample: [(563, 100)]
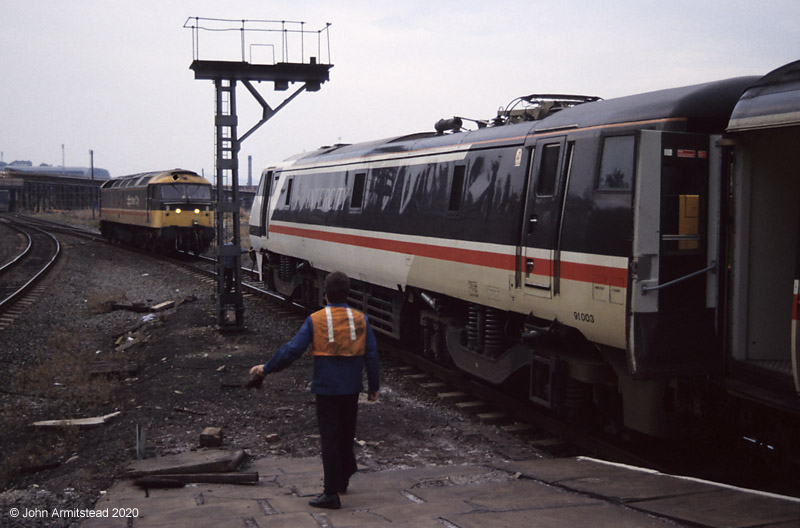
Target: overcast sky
[(113, 75)]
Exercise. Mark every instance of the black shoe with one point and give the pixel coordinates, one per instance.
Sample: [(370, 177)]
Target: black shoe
[(327, 500)]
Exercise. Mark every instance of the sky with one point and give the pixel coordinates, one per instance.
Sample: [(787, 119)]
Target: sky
[(112, 76)]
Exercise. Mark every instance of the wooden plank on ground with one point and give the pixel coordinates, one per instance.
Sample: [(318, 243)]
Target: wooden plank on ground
[(76, 422)]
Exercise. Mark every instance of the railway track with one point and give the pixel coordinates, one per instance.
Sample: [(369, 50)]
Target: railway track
[(733, 465), (56, 227), (20, 274)]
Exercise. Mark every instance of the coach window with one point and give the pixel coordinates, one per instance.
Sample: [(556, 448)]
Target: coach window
[(359, 186), (616, 165), (274, 185), (456, 189), (288, 198)]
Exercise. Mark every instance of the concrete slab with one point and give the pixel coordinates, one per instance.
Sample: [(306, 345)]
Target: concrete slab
[(283, 466), (563, 492), (594, 515), (395, 507), (614, 481), (508, 496), (390, 505), (427, 477), (726, 507), (790, 524), (691, 500)]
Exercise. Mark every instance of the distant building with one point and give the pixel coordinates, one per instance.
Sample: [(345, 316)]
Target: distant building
[(49, 170), (47, 187)]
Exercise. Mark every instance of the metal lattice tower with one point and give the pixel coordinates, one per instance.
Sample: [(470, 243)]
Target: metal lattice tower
[(226, 75)]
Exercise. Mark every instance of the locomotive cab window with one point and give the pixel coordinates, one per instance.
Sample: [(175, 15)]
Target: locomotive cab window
[(616, 164), (265, 183), (184, 191), (359, 187), (265, 189)]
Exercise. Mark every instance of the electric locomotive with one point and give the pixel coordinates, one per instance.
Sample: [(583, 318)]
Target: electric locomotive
[(160, 211), (575, 247)]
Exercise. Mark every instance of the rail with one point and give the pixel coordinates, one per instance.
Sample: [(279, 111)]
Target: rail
[(286, 37), (37, 261), (22, 253)]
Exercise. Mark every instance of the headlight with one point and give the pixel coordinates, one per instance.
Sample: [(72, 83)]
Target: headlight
[(197, 211), (178, 210)]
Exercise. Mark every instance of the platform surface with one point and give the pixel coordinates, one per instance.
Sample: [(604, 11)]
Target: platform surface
[(529, 493)]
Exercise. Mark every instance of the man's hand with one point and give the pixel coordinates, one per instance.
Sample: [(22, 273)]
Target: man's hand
[(372, 396), (256, 377)]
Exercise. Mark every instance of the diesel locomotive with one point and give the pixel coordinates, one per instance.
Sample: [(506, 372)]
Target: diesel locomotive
[(160, 211), (630, 262)]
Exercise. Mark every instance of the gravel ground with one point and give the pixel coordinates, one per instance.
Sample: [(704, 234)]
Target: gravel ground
[(185, 367)]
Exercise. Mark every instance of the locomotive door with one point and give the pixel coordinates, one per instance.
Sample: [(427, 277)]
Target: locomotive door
[(266, 194), (673, 282), (542, 215)]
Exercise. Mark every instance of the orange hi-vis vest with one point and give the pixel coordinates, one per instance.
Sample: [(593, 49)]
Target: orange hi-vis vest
[(339, 331)]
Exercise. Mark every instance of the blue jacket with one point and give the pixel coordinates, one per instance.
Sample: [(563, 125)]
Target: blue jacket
[(332, 375)]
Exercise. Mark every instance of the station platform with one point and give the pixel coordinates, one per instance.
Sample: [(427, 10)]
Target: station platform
[(529, 493)]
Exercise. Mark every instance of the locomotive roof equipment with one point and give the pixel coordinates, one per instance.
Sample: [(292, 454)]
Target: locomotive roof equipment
[(539, 106)]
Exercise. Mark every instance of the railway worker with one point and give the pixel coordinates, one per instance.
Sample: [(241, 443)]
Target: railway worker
[(229, 267), (343, 344)]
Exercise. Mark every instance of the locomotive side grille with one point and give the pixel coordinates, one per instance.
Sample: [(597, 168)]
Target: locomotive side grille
[(379, 312), (378, 306)]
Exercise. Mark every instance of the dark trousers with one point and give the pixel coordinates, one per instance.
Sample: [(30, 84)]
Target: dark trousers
[(228, 276), (336, 416)]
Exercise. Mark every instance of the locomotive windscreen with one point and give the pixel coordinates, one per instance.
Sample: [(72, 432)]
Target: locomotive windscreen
[(184, 191)]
